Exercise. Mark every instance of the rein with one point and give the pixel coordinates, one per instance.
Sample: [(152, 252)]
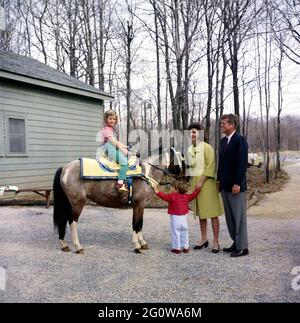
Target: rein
[(151, 181), (165, 172)]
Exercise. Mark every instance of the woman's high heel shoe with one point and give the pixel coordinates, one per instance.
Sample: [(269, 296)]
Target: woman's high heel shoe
[(205, 245), (216, 250)]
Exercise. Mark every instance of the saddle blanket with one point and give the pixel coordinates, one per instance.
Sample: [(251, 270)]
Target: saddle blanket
[(106, 169)]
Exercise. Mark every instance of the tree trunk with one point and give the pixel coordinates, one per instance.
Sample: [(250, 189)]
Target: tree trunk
[(129, 39), (234, 68), (279, 109), (157, 70)]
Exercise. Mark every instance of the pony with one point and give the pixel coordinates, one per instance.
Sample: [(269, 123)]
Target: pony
[(71, 194)]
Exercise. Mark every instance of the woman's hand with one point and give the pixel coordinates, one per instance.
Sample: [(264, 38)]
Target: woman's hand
[(199, 184)]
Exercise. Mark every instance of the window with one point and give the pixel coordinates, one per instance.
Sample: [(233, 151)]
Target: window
[(15, 136), (17, 142)]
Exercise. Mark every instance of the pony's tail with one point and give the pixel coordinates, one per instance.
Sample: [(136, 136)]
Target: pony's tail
[(62, 210)]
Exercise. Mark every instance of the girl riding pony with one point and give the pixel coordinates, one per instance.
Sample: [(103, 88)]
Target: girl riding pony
[(116, 150)]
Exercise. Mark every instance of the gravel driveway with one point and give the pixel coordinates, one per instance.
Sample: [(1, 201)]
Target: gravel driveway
[(109, 271)]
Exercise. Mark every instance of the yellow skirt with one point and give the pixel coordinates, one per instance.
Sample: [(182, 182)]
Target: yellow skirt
[(208, 203)]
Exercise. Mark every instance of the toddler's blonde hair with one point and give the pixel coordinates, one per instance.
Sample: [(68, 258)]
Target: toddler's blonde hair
[(180, 186)]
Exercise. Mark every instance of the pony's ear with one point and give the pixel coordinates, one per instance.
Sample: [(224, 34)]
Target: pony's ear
[(174, 169), (176, 163)]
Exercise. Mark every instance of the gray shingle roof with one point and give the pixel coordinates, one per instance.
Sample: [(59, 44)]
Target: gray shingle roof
[(26, 66)]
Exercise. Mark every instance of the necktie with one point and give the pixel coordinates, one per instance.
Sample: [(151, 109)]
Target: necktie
[(225, 145)]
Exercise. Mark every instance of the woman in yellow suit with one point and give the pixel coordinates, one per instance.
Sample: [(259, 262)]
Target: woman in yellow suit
[(207, 205)]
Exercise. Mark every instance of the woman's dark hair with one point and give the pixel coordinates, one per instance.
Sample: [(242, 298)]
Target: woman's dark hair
[(198, 126)]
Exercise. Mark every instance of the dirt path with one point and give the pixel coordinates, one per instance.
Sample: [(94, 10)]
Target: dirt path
[(284, 204)]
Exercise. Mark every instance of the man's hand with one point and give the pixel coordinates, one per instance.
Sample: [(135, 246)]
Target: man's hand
[(236, 189)]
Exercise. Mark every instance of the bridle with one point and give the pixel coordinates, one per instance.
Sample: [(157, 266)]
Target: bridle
[(164, 171), (151, 181)]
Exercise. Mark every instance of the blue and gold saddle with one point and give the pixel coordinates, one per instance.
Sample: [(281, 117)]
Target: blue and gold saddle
[(104, 168)]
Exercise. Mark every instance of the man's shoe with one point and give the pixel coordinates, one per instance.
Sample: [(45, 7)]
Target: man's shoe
[(205, 245), (230, 249), (178, 251), (121, 187), (239, 253)]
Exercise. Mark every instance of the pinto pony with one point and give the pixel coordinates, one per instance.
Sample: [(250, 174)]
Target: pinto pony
[(71, 194)]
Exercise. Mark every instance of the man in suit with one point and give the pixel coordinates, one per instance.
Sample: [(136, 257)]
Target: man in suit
[(233, 162)]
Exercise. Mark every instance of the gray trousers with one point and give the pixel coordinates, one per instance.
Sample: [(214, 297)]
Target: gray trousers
[(236, 218)]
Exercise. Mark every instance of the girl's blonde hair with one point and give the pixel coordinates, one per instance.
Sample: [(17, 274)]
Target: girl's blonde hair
[(109, 113)]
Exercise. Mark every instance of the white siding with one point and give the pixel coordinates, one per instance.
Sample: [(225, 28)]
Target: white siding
[(60, 128), (2, 143)]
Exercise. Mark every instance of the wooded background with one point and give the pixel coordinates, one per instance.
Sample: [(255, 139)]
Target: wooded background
[(171, 62)]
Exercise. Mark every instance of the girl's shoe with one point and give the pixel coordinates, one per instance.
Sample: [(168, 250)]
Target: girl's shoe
[(121, 187), (185, 250), (176, 251)]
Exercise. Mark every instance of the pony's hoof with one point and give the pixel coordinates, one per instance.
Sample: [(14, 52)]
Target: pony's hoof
[(80, 251), (65, 249), (145, 247), (138, 250)]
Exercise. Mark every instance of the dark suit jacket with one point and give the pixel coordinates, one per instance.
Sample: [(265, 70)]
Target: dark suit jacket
[(233, 163)]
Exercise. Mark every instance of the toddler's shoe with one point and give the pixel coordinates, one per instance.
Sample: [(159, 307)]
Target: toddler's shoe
[(176, 251)]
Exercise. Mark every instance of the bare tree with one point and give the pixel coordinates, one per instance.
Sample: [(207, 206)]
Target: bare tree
[(210, 22), (288, 20), (258, 65), (216, 64), (102, 13), (126, 35), (158, 78), (268, 56), (13, 33), (38, 11), (279, 110), (238, 19), (25, 14), (179, 22), (88, 39)]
